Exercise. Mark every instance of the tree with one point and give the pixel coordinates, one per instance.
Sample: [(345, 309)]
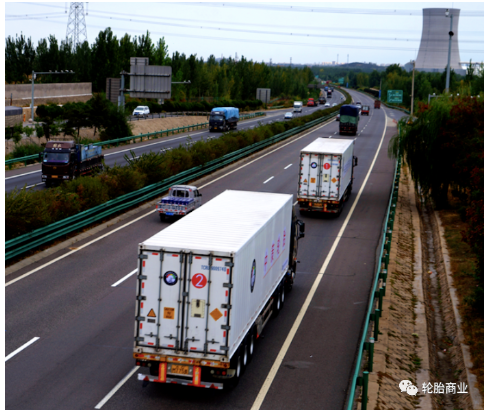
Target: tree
[(76, 115), (48, 114), (161, 57), (98, 110), (19, 57)]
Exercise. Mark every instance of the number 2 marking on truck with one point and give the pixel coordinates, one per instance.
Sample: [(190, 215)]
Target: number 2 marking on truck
[(199, 280)]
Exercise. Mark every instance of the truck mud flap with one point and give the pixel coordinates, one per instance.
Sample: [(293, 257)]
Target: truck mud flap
[(170, 379)]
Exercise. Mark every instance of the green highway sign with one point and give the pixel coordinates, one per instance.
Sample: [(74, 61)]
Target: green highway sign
[(341, 80), (395, 96)]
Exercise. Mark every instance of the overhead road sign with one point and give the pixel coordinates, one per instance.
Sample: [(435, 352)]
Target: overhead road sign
[(395, 96)]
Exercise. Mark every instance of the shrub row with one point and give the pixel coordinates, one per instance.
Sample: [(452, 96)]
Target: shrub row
[(27, 210)]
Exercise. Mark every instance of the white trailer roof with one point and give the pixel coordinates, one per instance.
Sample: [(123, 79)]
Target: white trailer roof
[(328, 146), (223, 224)]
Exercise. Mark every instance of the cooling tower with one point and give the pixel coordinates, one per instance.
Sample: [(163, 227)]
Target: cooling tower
[(434, 45)]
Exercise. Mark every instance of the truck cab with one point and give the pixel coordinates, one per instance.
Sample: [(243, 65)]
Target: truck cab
[(297, 107), (181, 200)]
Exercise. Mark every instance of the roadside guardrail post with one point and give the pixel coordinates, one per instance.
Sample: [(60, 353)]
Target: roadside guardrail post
[(376, 324), (381, 294), (364, 394), (370, 353)]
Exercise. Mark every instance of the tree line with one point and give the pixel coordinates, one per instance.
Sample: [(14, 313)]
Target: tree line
[(395, 77), (220, 79)]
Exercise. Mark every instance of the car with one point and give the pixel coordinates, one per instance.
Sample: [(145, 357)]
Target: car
[(288, 115), (327, 104), (141, 111), (334, 104), (338, 117)]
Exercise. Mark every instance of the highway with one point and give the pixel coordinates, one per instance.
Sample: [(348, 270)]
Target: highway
[(79, 301), (31, 176)]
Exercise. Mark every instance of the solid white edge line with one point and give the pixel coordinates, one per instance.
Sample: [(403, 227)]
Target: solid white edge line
[(281, 355), (23, 174), (288, 166), (21, 348), (116, 388), (124, 278), (154, 210), (272, 177)]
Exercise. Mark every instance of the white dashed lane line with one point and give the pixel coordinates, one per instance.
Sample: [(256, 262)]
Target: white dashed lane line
[(272, 177), (21, 349), (288, 166), (124, 278)]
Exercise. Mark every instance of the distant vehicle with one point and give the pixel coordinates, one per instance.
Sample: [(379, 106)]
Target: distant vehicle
[(358, 105), (322, 100), (329, 93), (311, 102), (377, 104), (349, 119), (223, 118), (67, 160), (338, 118), (327, 104), (365, 110), (181, 200), (141, 111), (297, 107), (334, 104), (288, 115)]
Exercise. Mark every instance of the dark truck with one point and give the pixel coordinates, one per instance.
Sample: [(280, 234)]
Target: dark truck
[(377, 104), (67, 160), (329, 93), (348, 122), (223, 118), (322, 100)]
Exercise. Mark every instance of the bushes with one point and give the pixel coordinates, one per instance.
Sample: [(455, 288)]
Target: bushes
[(26, 150)]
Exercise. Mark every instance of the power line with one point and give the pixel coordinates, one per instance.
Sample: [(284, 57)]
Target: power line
[(260, 41)]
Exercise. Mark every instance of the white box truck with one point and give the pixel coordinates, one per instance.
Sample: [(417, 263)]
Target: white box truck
[(326, 175), (208, 284), (297, 107)]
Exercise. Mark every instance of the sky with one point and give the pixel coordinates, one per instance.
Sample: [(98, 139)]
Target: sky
[(300, 32)]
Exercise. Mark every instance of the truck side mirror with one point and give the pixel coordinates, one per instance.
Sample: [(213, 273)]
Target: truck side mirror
[(355, 161), (40, 156), (301, 229)]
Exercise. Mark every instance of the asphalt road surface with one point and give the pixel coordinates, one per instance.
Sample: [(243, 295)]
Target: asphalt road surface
[(31, 176), (79, 302)]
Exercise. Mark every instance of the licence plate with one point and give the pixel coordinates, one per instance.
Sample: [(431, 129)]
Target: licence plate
[(54, 177), (215, 128), (317, 204), (169, 213), (180, 369)]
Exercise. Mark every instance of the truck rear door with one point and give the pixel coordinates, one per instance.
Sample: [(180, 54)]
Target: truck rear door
[(330, 176), (183, 302), (309, 183)]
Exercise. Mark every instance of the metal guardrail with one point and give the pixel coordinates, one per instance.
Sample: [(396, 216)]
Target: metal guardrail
[(24, 243), (116, 142), (374, 314)]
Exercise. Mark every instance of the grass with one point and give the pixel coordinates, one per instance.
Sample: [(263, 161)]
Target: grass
[(462, 267)]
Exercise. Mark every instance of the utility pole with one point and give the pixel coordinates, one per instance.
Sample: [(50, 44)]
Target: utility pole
[(448, 74), (413, 83), (290, 61), (337, 59), (347, 59)]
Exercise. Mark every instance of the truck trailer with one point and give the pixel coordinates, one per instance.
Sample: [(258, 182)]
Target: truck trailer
[(326, 175), (208, 284), (223, 118), (67, 160), (349, 119)]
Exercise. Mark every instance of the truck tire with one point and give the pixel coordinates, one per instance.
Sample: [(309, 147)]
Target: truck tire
[(48, 183), (235, 363), (251, 343), (162, 217), (279, 298)]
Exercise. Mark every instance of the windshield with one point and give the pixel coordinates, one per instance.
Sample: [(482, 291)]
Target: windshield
[(139, 108), (348, 119), (297, 105), (216, 117), (56, 157), (180, 193)]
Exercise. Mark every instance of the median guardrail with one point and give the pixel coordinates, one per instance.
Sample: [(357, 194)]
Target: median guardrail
[(38, 237), (375, 307), (155, 135)]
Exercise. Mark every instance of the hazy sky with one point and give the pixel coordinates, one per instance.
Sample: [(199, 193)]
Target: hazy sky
[(311, 32)]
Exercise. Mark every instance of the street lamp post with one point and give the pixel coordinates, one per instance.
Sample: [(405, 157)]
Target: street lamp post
[(449, 53), (34, 76)]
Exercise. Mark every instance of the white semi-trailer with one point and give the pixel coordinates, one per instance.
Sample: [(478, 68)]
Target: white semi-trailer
[(208, 284), (326, 175)]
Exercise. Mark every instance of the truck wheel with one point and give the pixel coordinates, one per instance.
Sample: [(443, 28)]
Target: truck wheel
[(235, 363), (162, 217), (251, 342), (278, 300), (48, 183)]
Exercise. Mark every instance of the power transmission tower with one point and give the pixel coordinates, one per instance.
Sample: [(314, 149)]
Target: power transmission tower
[(76, 24)]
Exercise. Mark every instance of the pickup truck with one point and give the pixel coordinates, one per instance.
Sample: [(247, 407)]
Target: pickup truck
[(181, 200)]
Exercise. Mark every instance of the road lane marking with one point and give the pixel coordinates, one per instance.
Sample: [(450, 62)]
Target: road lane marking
[(116, 388), (24, 174), (124, 278), (154, 210), (20, 349), (272, 177), (288, 166), (291, 335)]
